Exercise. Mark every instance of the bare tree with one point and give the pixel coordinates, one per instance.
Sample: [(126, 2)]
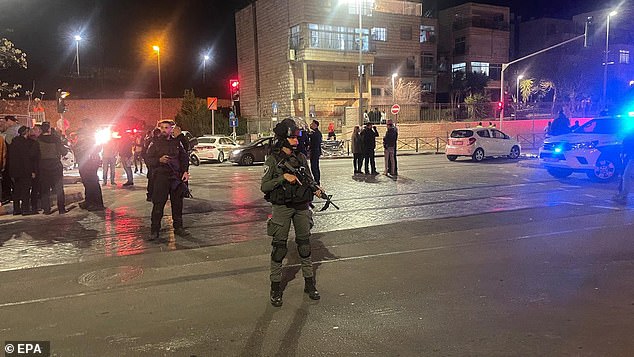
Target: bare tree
[(406, 92)]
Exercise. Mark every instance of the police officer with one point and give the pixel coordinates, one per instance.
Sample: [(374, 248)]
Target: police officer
[(169, 166), (291, 202), (87, 153)]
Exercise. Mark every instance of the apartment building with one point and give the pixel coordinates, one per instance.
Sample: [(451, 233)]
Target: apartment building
[(302, 56), (473, 38)]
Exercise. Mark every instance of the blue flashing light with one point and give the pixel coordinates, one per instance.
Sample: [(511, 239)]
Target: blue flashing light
[(631, 114), (558, 150)]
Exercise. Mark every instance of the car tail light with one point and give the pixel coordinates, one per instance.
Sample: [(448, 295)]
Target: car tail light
[(472, 141)]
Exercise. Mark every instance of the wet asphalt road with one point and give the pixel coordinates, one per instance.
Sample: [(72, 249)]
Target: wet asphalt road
[(457, 258)]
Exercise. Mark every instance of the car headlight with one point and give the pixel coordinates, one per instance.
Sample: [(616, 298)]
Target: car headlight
[(236, 152), (585, 145)]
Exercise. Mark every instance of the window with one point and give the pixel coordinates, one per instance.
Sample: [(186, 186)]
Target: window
[(338, 38), (480, 67), (406, 32), (427, 61), (376, 92), (427, 34), (379, 34), (366, 7), (426, 87), (495, 71), (458, 67), (310, 76), (295, 37), (484, 134), (624, 56), (499, 135), (204, 140), (460, 46)]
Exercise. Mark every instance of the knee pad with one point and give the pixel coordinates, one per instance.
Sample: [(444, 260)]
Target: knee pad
[(279, 251), (303, 248)]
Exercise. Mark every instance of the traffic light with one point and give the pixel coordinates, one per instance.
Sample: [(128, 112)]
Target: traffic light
[(500, 105), (234, 88)]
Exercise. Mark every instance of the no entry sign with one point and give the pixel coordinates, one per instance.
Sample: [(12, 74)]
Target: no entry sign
[(395, 109)]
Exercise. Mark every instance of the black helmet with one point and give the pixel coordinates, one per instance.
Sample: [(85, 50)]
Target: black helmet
[(286, 128)]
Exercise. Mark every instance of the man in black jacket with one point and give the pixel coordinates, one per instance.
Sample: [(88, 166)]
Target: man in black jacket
[(170, 165), (315, 138), (389, 146), (369, 135), (24, 155), (87, 153), (51, 170)]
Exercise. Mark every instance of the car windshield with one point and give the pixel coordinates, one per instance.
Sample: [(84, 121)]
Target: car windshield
[(600, 126), (461, 134), (206, 140)]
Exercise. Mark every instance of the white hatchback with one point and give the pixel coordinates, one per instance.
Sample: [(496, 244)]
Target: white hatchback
[(213, 147), (479, 143)]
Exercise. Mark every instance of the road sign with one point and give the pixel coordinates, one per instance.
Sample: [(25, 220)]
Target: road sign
[(232, 115), (395, 109), (274, 107), (212, 103), (233, 122)]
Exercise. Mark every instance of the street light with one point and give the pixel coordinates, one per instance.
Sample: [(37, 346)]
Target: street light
[(605, 62), (394, 75), (517, 88), (77, 39), (205, 59), (157, 49)]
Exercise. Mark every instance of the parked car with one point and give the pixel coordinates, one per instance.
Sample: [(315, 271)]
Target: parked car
[(212, 148), (594, 149), (479, 143), (252, 153)]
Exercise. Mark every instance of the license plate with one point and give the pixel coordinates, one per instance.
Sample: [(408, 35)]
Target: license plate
[(457, 142)]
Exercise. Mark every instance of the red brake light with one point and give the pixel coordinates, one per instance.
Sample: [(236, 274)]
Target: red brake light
[(472, 141)]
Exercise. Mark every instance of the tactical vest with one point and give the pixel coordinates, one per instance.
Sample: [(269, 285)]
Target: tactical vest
[(48, 151), (288, 193)]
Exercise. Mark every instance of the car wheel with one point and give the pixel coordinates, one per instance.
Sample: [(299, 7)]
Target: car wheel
[(452, 157), (605, 169), (478, 155), (221, 157), (515, 152), (247, 160), (559, 173), (194, 160)]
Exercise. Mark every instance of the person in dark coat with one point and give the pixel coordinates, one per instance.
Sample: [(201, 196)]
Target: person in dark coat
[(24, 156), (561, 125), (126, 146), (51, 170), (87, 154), (315, 139), (389, 146), (369, 135), (357, 150), (152, 135)]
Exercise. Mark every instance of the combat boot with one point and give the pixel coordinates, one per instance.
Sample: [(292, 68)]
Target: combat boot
[(276, 294), (310, 289)]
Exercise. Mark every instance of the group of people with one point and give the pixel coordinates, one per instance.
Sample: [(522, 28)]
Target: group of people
[(364, 147), (30, 161)]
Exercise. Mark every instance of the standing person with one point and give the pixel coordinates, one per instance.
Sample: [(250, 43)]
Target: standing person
[(315, 150), (10, 131), (126, 145), (24, 155), (331, 131), (371, 116), (152, 135), (561, 124), (34, 134), (178, 135), (109, 158), (628, 172), (87, 154), (366, 117), (51, 170), (138, 151), (290, 202), (357, 150), (3, 161), (170, 165), (377, 115), (369, 135), (389, 146)]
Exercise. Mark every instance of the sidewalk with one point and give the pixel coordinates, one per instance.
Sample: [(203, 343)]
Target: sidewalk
[(73, 191)]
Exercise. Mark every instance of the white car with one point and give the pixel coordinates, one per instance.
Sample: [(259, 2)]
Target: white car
[(213, 147), (479, 143), (594, 148)]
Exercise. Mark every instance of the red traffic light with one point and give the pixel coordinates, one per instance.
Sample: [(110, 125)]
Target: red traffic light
[(234, 84), (500, 105)]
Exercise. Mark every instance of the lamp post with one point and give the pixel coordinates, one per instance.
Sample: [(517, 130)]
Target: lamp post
[(157, 49), (360, 64), (205, 59), (605, 61), (77, 39), (394, 75), (517, 88)]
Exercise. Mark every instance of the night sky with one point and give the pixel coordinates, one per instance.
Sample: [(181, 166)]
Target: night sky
[(118, 36)]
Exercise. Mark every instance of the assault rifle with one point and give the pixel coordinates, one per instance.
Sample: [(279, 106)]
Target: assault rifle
[(305, 179)]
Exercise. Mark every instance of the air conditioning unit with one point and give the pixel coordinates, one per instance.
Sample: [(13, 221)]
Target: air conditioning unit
[(291, 54)]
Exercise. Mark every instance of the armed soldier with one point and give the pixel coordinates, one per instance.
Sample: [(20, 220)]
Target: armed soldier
[(169, 169), (291, 202)]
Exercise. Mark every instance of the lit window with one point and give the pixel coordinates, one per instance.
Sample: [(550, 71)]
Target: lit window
[(480, 67), (427, 34), (366, 7), (379, 34), (624, 56), (337, 38), (458, 67)]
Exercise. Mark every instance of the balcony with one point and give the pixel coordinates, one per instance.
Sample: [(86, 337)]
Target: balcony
[(481, 23), (325, 49)]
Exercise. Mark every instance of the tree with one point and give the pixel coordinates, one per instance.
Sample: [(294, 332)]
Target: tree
[(406, 92), (546, 87), (527, 89), (193, 115), (478, 106), (10, 56)]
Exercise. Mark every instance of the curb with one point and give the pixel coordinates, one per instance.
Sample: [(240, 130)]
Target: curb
[(70, 198)]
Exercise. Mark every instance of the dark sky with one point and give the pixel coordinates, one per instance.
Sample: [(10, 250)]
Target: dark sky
[(119, 33)]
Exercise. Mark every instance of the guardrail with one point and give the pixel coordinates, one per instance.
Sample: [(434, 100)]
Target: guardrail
[(433, 144)]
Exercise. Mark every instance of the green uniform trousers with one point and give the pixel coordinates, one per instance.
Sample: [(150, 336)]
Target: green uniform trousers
[(278, 227)]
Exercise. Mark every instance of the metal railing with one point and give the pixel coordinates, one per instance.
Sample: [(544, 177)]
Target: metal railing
[(433, 144)]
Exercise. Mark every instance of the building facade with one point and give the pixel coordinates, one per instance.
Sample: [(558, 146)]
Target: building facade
[(302, 56), (473, 38)]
